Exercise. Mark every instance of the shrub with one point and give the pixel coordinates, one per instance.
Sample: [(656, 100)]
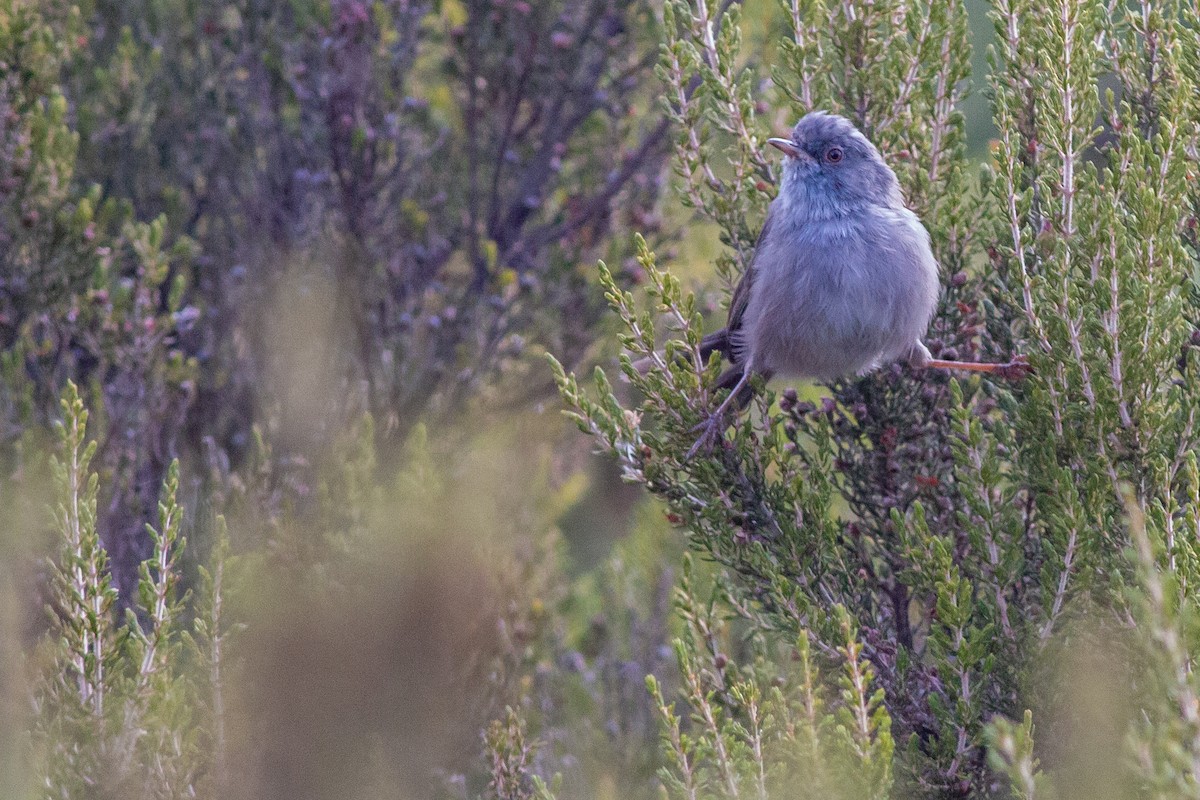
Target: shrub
[(433, 173), (87, 292), (121, 707), (221, 217), (970, 532)]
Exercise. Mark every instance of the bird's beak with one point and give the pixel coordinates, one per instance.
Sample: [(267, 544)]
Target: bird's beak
[(789, 147)]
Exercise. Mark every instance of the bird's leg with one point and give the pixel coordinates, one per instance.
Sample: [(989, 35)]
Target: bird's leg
[(715, 423), (1013, 370), (920, 358)]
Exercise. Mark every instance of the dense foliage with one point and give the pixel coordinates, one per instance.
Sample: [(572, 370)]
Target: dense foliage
[(276, 283), (973, 533), (218, 216)]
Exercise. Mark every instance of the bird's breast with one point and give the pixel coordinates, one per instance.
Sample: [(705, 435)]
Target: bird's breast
[(836, 297)]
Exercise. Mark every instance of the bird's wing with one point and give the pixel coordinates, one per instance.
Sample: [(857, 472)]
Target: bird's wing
[(726, 339), (741, 293)]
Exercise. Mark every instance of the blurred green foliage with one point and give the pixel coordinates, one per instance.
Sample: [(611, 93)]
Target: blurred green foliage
[(229, 218), (87, 290)]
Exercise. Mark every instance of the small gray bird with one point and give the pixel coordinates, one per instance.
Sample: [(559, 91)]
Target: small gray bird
[(842, 279)]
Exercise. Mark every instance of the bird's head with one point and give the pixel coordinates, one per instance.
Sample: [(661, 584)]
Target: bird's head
[(830, 161)]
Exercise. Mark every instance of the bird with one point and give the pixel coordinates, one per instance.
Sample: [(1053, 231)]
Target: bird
[(842, 279)]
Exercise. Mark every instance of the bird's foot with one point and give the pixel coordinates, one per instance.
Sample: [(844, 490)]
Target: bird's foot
[(1016, 370), (710, 433)]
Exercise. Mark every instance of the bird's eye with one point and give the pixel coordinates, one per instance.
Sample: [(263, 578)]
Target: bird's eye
[(834, 155)]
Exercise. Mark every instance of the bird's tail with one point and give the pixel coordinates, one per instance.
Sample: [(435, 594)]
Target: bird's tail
[(717, 341)]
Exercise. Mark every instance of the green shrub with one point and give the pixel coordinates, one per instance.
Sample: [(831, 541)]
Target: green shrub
[(974, 534), (122, 706), (226, 219), (87, 291)]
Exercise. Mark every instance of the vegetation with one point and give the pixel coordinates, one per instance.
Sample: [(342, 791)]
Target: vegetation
[(287, 508), (967, 531)]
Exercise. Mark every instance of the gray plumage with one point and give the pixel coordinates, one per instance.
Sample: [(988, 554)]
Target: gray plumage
[(842, 279)]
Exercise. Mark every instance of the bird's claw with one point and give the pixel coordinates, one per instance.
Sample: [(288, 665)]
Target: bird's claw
[(1016, 370), (710, 430)]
